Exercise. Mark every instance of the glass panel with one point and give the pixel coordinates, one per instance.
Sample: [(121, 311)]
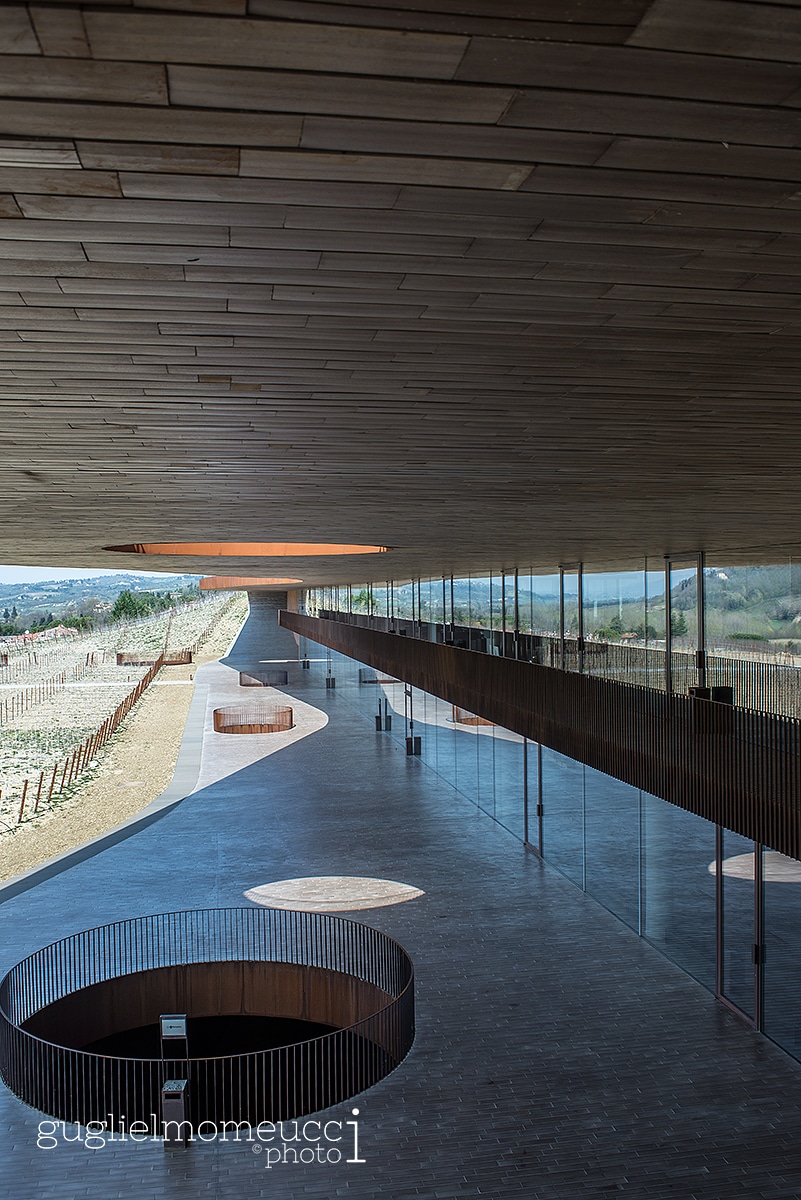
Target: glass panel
[(679, 886), (570, 584), (479, 612), (782, 970), (614, 624), (544, 614), (466, 742), (486, 769), (683, 624), (509, 780), (654, 625), (446, 742), (403, 601), (738, 921), (612, 837), (539, 618), (496, 593), (563, 814), (532, 757), (380, 600), (753, 618), (461, 613)]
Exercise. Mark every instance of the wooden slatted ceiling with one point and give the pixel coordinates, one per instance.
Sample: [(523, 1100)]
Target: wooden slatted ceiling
[(493, 283)]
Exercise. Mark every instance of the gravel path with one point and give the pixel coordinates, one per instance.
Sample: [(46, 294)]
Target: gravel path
[(135, 767)]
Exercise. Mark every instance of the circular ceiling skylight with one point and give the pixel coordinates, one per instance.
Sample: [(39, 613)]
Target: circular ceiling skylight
[(247, 549)]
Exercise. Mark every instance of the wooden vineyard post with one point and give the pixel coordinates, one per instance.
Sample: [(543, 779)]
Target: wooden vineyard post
[(39, 792), (22, 805)]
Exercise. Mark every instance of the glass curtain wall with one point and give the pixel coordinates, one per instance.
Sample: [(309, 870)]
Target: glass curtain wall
[(750, 627), (703, 897), (729, 914), (782, 939)]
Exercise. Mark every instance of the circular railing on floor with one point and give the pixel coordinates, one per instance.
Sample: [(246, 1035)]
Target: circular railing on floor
[(250, 718), (206, 962)]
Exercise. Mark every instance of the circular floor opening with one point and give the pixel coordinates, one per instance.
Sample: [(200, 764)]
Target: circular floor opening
[(286, 1013)]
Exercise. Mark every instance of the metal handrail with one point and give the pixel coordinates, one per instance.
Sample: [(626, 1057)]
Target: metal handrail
[(276, 1084)]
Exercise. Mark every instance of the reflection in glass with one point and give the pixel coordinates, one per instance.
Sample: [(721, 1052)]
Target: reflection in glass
[(738, 921), (563, 814), (612, 838), (678, 888), (782, 971), (509, 780), (486, 769)]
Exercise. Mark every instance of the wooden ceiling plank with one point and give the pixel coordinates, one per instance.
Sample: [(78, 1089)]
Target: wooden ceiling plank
[(56, 118), (222, 255), (451, 140), (122, 300), (9, 208), (639, 72), (722, 27), (653, 117), (274, 45), (523, 204), (231, 8), (260, 191), (47, 251), (334, 260), (53, 181), (280, 91), (366, 243), (380, 168), (397, 221), (59, 31), (234, 277), (151, 156), (465, 19), (658, 186), (112, 231), (180, 212), (46, 78), (19, 36), (702, 158)]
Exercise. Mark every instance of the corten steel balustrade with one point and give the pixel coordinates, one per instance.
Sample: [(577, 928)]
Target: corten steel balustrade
[(736, 767), (253, 718), (341, 963)]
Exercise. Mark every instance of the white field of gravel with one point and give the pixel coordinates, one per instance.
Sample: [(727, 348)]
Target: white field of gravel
[(35, 739)]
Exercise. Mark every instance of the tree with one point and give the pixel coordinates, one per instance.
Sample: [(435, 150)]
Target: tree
[(646, 632), (6, 615), (678, 623), (126, 606), (14, 613)]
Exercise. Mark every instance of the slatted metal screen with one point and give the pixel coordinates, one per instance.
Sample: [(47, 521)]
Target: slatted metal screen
[(739, 768), (270, 1085)]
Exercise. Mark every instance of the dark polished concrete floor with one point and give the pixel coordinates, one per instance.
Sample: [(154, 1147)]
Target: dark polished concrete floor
[(558, 1056)]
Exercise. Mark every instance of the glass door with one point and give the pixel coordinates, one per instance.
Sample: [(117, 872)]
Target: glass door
[(738, 869)]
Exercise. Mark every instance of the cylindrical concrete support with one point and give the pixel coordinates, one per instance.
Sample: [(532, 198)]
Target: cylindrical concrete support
[(262, 640)]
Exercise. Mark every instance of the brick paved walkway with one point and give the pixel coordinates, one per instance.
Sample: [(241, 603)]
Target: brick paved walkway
[(558, 1056)]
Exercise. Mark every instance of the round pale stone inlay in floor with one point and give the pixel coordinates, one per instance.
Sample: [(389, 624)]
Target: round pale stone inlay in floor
[(332, 893), (776, 868)]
